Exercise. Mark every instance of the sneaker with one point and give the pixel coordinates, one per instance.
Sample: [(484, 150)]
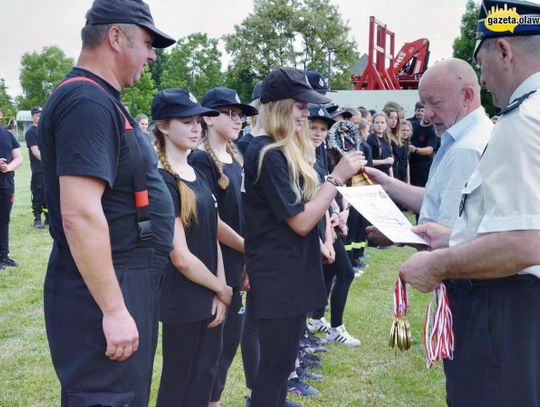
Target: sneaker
[(358, 273), (306, 374), (314, 339), (248, 401), (311, 347), (340, 335), (301, 388), (38, 224), (309, 361), (359, 264), (7, 261), (318, 325)]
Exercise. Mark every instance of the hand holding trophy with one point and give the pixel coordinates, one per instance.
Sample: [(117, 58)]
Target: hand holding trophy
[(345, 138)]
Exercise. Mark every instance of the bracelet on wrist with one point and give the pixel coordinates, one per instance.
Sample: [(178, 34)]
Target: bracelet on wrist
[(334, 181)]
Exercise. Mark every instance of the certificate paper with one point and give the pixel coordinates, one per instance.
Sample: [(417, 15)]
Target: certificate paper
[(377, 207)]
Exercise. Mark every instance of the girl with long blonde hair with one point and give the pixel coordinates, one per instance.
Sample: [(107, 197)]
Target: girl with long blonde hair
[(284, 203)]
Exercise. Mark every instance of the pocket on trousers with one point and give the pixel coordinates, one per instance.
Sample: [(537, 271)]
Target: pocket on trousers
[(86, 399)]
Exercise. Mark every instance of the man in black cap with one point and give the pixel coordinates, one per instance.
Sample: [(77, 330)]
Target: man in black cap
[(492, 264), (36, 182), (111, 215)]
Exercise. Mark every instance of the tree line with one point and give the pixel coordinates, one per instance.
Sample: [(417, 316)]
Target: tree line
[(299, 33)]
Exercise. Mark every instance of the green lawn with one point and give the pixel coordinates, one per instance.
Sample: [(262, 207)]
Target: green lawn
[(372, 375)]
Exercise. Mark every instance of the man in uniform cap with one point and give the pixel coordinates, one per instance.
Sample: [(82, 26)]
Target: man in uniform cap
[(36, 182), (111, 216), (491, 262)]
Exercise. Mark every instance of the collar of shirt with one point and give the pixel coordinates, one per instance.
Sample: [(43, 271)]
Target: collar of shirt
[(464, 124), (529, 84)]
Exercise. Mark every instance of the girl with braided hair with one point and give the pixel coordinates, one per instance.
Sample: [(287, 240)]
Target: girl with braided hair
[(218, 160), (194, 295)]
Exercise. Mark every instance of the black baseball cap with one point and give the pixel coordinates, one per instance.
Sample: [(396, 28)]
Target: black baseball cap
[(178, 103), (217, 97), (317, 82), (36, 109), (256, 91), (289, 83), (525, 14), (318, 112), (127, 12)]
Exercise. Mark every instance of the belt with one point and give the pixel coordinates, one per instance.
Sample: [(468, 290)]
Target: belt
[(470, 284)]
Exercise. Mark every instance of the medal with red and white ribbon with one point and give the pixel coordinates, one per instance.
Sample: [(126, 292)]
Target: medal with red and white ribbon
[(438, 333), (400, 333)]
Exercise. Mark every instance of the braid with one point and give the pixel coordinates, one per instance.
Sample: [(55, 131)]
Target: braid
[(223, 180), (188, 199), (235, 154)]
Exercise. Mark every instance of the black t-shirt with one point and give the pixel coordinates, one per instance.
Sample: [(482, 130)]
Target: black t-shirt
[(285, 268), (423, 137), (321, 166), (80, 133), (368, 153), (8, 143), (230, 206), (31, 140), (183, 301), (380, 149), (243, 143)]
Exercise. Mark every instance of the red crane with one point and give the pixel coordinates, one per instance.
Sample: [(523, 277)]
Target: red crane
[(386, 70)]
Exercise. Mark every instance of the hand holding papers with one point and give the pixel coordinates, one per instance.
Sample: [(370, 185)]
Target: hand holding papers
[(377, 207)]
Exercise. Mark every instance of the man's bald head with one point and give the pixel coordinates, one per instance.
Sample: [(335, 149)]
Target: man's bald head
[(452, 72), (450, 91)]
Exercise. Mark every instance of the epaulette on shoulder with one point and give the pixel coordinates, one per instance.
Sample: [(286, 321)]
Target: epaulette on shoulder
[(516, 103)]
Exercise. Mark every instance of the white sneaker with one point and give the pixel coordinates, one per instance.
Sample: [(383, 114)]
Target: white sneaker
[(340, 335), (318, 325)]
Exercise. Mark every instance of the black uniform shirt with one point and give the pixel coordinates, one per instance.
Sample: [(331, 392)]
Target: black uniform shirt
[(423, 137), (243, 143), (80, 133), (380, 149), (321, 166), (230, 207), (368, 153), (181, 300), (284, 268), (8, 143), (31, 140)]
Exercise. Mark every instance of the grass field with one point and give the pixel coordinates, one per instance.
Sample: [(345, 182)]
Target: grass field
[(372, 375)]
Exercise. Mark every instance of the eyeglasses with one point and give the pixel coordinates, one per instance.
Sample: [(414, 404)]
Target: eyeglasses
[(234, 115)]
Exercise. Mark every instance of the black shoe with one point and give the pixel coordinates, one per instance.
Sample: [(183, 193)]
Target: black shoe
[(38, 224), (7, 261)]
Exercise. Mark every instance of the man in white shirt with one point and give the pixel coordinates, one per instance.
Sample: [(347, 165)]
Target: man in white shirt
[(492, 264)]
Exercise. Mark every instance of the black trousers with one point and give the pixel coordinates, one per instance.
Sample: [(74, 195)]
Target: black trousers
[(190, 357), (76, 340), (279, 339), (38, 194), (497, 342), (250, 346), (6, 203), (232, 331), (338, 277)]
